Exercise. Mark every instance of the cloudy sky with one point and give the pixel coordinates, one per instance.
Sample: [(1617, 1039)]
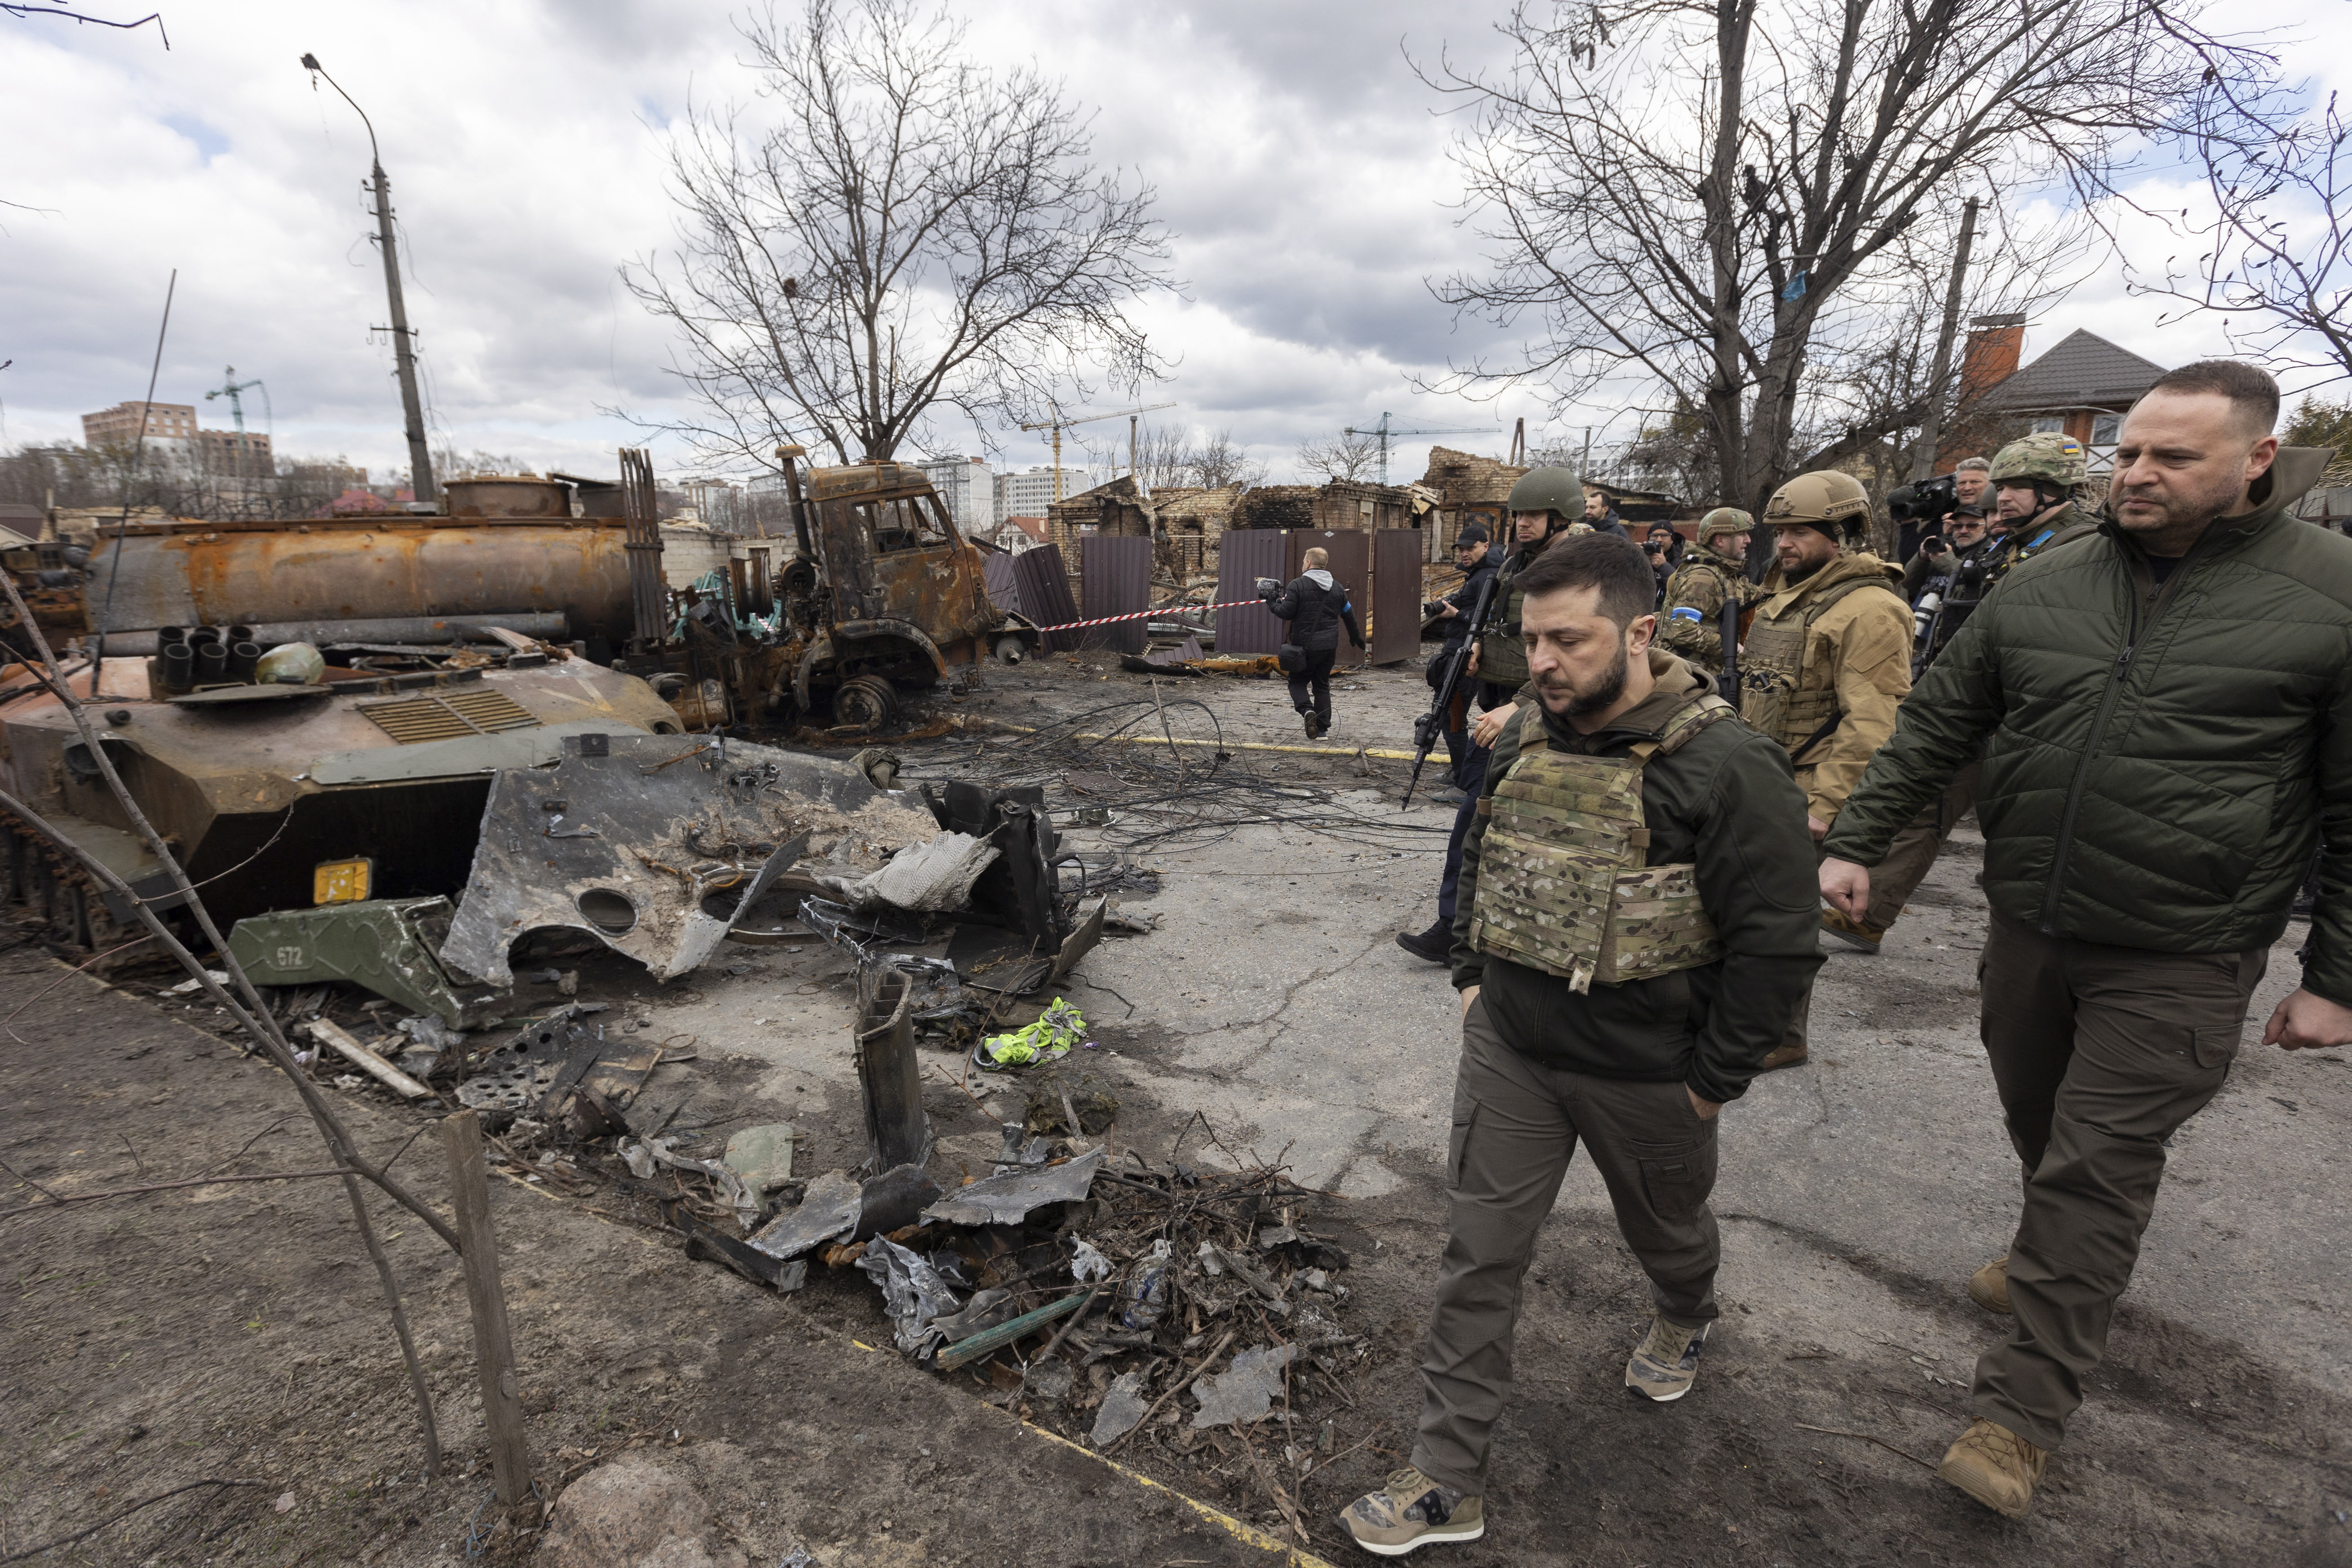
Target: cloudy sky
[(1298, 160)]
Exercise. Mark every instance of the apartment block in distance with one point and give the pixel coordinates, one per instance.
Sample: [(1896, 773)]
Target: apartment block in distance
[(172, 428), (969, 490), (1031, 492)]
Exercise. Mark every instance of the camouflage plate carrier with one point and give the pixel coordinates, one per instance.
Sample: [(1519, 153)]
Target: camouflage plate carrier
[(1773, 698), (1563, 883)]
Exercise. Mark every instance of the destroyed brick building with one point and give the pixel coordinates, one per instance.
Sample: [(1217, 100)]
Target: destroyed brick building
[(1468, 488)]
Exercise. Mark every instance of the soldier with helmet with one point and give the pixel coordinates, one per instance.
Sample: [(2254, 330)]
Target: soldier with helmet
[(1713, 575), (1828, 657), (1545, 504), (2036, 479)]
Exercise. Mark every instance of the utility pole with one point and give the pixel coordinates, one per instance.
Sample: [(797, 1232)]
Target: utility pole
[(1931, 427), (1131, 472), (403, 347)]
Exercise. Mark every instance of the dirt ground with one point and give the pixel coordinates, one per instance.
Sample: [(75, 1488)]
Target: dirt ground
[(234, 1333)]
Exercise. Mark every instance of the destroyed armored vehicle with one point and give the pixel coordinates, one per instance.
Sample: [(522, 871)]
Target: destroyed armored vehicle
[(448, 649)]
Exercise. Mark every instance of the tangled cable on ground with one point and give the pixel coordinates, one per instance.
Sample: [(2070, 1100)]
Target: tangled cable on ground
[(1160, 799)]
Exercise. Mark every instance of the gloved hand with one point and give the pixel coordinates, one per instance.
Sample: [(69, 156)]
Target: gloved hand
[(1267, 588)]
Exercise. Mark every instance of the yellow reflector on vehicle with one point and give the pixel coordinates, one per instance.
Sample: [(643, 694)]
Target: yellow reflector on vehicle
[(341, 881)]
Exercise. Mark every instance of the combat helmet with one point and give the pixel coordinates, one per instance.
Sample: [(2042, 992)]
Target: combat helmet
[(2047, 456), (1547, 489), (1724, 519), (1828, 500)]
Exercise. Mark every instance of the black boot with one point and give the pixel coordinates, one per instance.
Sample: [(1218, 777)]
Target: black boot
[(1435, 945)]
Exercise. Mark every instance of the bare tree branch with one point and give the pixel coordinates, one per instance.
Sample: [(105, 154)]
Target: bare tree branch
[(2275, 256), (902, 232), (1728, 206)]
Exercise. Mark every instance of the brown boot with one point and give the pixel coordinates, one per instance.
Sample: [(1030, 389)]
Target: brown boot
[(1989, 1286), (1995, 1467), (1783, 1057)]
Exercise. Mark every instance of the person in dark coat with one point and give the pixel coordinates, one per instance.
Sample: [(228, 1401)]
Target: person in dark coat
[(1317, 606), (1664, 548)]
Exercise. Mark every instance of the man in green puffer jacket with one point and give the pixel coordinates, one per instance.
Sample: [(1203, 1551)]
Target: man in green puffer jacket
[(2165, 711)]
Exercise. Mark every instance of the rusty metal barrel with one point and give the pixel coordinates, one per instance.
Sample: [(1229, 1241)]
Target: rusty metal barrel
[(251, 574)]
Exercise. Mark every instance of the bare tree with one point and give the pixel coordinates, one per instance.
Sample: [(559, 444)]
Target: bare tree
[(2277, 258), (1218, 462), (901, 229), (1696, 197), (1344, 457)]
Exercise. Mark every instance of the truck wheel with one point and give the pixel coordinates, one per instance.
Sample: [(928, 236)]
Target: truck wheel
[(1009, 648), (868, 702)]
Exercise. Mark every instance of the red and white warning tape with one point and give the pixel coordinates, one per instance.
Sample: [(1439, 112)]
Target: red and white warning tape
[(1170, 611)]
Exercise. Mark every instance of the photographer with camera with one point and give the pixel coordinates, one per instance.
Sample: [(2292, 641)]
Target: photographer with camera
[(1664, 548), (1945, 579), (1317, 606)]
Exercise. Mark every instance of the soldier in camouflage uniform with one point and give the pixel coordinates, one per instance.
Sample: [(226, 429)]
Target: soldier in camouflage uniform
[(1636, 921), (2036, 480), (1715, 572), (1828, 657)]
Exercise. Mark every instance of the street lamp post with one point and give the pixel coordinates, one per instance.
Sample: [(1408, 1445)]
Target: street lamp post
[(403, 349)]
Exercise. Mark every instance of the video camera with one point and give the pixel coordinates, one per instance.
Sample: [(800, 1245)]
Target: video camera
[(1928, 502), (1948, 599)]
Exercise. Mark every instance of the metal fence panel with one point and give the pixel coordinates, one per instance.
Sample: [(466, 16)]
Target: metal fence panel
[(1117, 571), (1396, 595), (1245, 556), (1046, 599), (1003, 584)]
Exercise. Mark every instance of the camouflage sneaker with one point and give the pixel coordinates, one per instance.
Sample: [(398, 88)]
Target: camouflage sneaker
[(1989, 1286), (1995, 1467), (1860, 935), (1412, 1510), (1666, 1364)]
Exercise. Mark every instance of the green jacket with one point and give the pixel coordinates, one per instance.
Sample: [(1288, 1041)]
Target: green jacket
[(1727, 802), (2157, 760)]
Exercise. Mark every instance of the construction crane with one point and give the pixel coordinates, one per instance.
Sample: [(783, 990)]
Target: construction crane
[(230, 389), (1057, 425), (1383, 432)]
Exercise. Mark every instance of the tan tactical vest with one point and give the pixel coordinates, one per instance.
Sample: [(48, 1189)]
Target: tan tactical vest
[(1563, 885), (1773, 698)]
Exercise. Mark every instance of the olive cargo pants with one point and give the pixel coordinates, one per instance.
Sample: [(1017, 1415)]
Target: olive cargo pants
[(2099, 1054), (1516, 1124)]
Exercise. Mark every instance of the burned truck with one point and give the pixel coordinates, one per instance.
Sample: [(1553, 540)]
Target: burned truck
[(881, 596), (442, 650)]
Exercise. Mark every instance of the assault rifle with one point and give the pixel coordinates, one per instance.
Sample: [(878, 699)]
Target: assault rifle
[(1430, 727), (1726, 685)]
